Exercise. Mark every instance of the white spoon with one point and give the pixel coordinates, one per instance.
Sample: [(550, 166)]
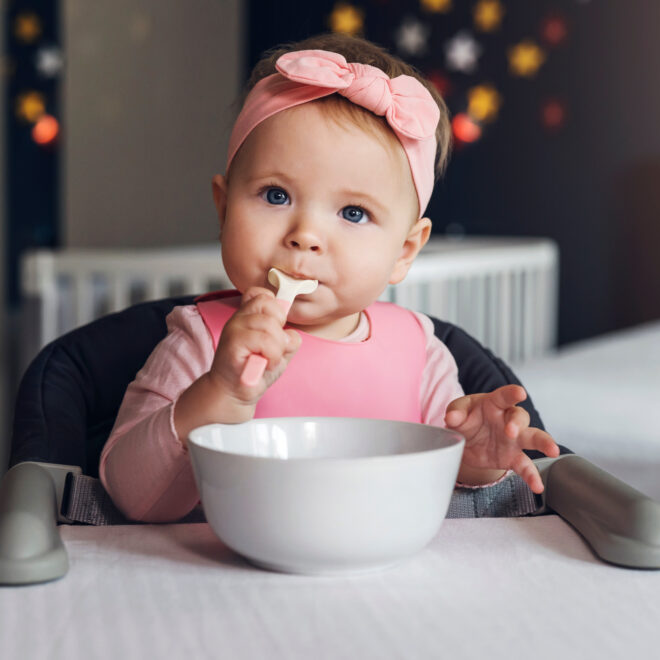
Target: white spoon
[(287, 289)]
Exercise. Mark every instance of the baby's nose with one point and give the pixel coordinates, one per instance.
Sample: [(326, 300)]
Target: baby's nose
[(305, 235), (304, 243)]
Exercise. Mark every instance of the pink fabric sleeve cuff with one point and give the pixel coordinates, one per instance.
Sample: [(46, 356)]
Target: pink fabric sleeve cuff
[(506, 475)]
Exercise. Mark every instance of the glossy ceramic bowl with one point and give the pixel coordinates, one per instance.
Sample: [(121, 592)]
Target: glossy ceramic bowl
[(321, 495)]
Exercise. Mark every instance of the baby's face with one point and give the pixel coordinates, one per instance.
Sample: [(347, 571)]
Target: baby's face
[(319, 201)]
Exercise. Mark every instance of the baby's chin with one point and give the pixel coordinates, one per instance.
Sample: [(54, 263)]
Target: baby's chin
[(305, 313), (329, 326)]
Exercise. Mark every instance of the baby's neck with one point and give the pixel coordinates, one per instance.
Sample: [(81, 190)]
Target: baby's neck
[(337, 329)]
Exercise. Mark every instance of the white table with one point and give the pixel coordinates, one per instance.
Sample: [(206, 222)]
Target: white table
[(496, 588), (501, 588)]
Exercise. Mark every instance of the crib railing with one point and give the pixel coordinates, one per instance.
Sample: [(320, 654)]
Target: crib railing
[(503, 291)]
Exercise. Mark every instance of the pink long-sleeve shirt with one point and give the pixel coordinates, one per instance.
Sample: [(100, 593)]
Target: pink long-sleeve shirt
[(144, 466)]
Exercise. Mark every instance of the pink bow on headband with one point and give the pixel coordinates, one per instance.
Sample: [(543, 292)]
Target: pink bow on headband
[(308, 75), (403, 101)]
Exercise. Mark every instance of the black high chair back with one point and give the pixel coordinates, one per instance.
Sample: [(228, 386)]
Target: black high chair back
[(70, 394)]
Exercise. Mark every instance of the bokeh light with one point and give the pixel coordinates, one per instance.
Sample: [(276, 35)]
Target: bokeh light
[(46, 130), (465, 129)]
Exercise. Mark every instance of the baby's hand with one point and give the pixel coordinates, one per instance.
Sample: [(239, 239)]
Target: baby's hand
[(496, 431), (256, 327)]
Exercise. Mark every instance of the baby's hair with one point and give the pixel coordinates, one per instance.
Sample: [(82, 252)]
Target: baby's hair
[(359, 50)]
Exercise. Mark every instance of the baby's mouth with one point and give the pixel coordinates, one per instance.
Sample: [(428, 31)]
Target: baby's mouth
[(298, 276)]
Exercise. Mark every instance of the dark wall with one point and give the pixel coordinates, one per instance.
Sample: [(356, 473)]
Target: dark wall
[(594, 186)]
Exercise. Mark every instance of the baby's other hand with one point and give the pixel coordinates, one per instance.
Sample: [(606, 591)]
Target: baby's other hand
[(496, 431), (256, 327)]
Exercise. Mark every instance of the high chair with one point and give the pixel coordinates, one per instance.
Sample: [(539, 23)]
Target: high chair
[(70, 394)]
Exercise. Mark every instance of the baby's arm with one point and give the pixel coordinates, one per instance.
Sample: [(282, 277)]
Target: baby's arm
[(219, 395), (496, 431), (440, 387), (145, 465)]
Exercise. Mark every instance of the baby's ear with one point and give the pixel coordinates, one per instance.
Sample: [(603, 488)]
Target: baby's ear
[(219, 185), (414, 242)]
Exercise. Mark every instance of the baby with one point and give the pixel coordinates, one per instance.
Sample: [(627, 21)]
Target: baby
[(331, 164)]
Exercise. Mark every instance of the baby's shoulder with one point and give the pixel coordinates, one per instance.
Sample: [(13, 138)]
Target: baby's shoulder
[(184, 318)]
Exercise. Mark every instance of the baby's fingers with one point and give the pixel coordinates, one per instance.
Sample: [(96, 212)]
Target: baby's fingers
[(257, 300), (464, 413), (293, 342), (524, 466), (516, 419), (507, 396), (454, 418), (533, 438)]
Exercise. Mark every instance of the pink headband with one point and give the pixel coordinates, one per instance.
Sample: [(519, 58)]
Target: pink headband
[(307, 75)]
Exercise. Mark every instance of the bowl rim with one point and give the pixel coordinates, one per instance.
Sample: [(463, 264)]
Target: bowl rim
[(458, 440)]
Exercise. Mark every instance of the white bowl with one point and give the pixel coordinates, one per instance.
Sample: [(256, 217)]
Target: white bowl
[(325, 495)]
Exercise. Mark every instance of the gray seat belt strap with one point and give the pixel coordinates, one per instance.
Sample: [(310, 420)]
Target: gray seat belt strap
[(86, 501)]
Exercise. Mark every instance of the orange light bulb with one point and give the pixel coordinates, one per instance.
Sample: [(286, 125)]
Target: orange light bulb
[(465, 129), (45, 130)]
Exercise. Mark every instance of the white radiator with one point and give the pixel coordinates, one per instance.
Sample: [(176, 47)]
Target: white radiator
[(503, 291)]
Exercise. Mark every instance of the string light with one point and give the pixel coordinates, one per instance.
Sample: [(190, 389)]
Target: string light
[(553, 114), (30, 106), (488, 15), (49, 61), (412, 37), (525, 58), (27, 27), (462, 52), (46, 130), (465, 129), (441, 82), (346, 18), (554, 30), (484, 103), (436, 6)]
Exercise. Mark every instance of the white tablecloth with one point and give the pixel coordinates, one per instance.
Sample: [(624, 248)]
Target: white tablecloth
[(497, 588), (501, 588)]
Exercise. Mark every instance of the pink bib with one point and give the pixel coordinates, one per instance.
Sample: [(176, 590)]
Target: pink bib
[(379, 378)]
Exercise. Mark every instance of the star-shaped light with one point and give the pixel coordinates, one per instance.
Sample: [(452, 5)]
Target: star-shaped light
[(411, 37), (436, 6), (441, 82), (465, 129), (553, 114), (483, 103), (462, 52), (30, 106), (346, 18), (49, 61), (46, 130), (487, 15), (525, 58), (27, 27), (554, 30)]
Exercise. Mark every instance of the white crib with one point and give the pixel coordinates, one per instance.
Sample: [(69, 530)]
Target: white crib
[(503, 291)]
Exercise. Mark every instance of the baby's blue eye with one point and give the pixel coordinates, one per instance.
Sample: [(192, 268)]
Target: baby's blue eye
[(276, 196), (354, 214)]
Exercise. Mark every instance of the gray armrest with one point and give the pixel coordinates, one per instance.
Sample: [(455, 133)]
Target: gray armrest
[(621, 524), (30, 546)]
